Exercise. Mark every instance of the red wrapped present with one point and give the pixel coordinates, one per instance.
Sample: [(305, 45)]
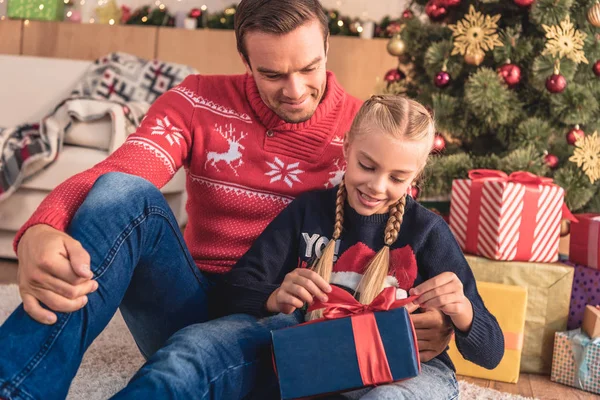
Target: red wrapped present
[(585, 240), (504, 217)]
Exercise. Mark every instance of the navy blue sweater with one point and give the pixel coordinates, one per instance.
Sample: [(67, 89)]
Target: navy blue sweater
[(425, 248)]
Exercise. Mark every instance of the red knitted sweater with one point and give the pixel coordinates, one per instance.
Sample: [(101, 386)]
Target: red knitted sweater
[(244, 164)]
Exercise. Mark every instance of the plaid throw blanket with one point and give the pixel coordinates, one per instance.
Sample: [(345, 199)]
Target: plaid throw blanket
[(119, 85)]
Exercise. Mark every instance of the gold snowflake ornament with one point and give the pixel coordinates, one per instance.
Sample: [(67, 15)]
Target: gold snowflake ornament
[(587, 156), (565, 41), (475, 33)]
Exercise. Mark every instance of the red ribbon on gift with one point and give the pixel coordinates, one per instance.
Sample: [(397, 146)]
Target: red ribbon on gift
[(372, 360), (532, 185)]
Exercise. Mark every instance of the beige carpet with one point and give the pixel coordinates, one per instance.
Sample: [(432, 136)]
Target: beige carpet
[(113, 358)]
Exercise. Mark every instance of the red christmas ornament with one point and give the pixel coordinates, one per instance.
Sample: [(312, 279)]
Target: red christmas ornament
[(435, 10), (574, 134), (551, 161), (394, 75), (450, 3), (414, 192), (524, 3), (511, 74), (596, 68), (439, 143), (442, 79), (195, 13), (407, 14), (556, 83)]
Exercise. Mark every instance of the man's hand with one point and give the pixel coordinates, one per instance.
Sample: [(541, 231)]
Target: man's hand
[(53, 269), (298, 287), (434, 332)]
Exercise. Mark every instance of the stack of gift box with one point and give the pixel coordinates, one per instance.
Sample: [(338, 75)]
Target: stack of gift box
[(509, 227)]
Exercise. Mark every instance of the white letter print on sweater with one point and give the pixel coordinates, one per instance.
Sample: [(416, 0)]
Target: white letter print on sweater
[(317, 243), (234, 152)]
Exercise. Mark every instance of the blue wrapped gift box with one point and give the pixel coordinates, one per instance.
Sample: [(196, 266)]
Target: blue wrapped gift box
[(322, 357)]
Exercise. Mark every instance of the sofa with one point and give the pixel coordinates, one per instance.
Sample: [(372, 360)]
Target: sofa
[(30, 87)]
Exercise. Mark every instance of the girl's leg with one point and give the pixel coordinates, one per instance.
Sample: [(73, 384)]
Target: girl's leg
[(436, 381), (141, 263), (220, 359)]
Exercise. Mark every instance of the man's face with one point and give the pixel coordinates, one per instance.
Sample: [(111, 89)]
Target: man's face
[(289, 70)]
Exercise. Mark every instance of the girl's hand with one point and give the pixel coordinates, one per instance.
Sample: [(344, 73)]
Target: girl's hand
[(299, 286), (445, 292)]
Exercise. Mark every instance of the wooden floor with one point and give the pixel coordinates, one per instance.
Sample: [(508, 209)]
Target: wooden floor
[(539, 386)]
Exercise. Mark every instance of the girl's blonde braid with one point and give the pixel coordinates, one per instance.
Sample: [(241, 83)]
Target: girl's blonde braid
[(324, 265), (373, 279), (392, 227)]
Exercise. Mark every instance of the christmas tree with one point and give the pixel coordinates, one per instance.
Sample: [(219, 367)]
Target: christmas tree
[(514, 85)]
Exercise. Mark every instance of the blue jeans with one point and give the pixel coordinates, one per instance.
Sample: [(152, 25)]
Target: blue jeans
[(143, 267), (197, 363), (221, 359), (436, 381)]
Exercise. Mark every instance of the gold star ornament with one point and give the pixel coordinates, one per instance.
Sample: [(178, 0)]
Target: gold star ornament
[(587, 156), (565, 41), (475, 34)]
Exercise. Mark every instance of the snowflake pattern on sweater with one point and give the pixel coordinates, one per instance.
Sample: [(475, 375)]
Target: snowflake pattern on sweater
[(244, 164)]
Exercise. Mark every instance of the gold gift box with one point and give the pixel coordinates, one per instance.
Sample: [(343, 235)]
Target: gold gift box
[(508, 305), (548, 296)]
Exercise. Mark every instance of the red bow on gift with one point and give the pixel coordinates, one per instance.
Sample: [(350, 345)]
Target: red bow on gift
[(342, 304), (522, 177), (370, 352)]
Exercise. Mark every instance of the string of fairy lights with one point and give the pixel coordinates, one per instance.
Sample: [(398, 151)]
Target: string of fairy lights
[(109, 12)]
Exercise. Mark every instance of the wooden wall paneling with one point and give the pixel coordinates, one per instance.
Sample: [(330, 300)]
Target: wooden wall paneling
[(11, 32), (87, 41), (359, 64), (209, 51)]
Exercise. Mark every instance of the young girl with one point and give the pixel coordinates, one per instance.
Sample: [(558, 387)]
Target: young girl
[(365, 234), (379, 237)]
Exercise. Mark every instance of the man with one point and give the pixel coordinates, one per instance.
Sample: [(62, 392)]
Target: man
[(105, 238)]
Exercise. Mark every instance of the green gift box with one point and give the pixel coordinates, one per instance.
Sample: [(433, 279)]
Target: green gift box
[(44, 10)]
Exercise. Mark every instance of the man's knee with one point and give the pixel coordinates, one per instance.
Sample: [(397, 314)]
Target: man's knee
[(117, 188), (120, 183)]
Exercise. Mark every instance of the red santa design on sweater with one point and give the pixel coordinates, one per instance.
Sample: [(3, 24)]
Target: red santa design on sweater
[(351, 265)]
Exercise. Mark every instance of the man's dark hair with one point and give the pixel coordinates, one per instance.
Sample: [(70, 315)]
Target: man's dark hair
[(277, 17)]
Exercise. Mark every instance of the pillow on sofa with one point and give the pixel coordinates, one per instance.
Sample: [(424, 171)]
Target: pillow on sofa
[(94, 134)]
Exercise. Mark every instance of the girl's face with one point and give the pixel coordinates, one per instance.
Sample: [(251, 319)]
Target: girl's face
[(380, 169)]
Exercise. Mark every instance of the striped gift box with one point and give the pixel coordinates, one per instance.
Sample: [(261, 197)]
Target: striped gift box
[(503, 217)]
